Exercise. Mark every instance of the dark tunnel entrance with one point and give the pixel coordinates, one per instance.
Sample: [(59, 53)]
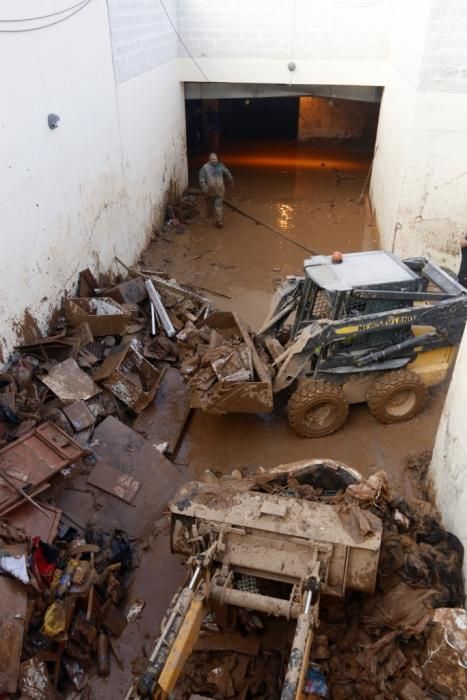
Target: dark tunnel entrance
[(219, 123)]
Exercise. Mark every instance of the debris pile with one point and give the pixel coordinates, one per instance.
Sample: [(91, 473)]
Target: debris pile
[(383, 646), (64, 614), (222, 366), (77, 482), (406, 641)]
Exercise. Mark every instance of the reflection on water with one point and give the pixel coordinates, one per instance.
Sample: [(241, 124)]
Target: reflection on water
[(285, 216)]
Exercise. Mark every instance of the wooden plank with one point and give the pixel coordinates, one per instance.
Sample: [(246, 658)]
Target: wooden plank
[(35, 523), (13, 604), (164, 419), (114, 482), (69, 382)]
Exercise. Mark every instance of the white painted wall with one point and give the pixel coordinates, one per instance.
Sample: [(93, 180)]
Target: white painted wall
[(340, 42), (419, 173), (93, 188), (448, 469)]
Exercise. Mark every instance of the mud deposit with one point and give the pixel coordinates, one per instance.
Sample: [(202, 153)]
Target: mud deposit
[(311, 195)]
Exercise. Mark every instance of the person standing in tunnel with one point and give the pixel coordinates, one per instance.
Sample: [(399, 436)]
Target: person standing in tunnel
[(211, 179), (462, 276)]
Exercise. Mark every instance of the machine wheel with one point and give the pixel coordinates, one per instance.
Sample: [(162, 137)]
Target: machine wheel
[(396, 396), (317, 408)]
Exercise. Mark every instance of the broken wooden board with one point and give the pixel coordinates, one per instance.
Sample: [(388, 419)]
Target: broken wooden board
[(165, 418), (13, 605), (34, 522), (79, 415), (120, 446), (33, 459), (68, 381), (114, 482)]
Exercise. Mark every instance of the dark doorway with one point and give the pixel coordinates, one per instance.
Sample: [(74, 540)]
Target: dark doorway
[(230, 120), (259, 118)]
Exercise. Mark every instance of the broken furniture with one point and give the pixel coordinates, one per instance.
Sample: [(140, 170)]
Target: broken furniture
[(31, 461), (103, 315), (130, 377), (69, 382)]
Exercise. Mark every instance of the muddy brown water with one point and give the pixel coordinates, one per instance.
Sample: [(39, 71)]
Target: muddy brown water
[(311, 195)]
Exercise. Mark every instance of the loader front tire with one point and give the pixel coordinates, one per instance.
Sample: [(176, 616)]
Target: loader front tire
[(317, 408), (396, 396)]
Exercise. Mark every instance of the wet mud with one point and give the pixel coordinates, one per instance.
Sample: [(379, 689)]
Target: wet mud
[(310, 194)]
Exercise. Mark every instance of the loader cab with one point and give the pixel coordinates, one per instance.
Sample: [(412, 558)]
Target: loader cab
[(329, 289)]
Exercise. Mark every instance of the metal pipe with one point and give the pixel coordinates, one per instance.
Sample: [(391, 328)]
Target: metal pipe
[(153, 319), (255, 601), (309, 597), (160, 308)]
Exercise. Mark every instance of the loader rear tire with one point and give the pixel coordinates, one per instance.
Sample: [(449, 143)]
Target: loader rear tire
[(396, 396), (317, 408)]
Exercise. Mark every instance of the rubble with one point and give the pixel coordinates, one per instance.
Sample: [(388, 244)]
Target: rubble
[(83, 415), (401, 642)]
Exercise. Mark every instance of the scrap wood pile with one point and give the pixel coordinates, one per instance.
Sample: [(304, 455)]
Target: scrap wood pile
[(68, 457), (106, 356), (409, 640)]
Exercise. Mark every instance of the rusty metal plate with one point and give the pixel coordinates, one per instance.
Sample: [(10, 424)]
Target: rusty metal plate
[(33, 459), (79, 415), (68, 381), (123, 486)]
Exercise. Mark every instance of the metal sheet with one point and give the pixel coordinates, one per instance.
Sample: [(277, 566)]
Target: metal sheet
[(33, 459), (365, 269), (164, 419), (79, 415), (114, 482), (69, 382), (129, 453)]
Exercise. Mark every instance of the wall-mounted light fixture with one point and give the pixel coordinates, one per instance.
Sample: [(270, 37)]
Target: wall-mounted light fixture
[(52, 121)]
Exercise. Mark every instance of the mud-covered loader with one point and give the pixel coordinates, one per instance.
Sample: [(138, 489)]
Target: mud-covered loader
[(264, 553), (362, 327)]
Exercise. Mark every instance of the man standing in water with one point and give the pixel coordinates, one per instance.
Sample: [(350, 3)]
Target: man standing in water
[(211, 179)]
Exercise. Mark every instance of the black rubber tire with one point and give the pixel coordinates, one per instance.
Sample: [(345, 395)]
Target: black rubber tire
[(396, 396), (317, 408)]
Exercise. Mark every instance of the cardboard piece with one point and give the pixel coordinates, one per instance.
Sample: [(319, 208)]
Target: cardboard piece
[(69, 382), (103, 315)]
